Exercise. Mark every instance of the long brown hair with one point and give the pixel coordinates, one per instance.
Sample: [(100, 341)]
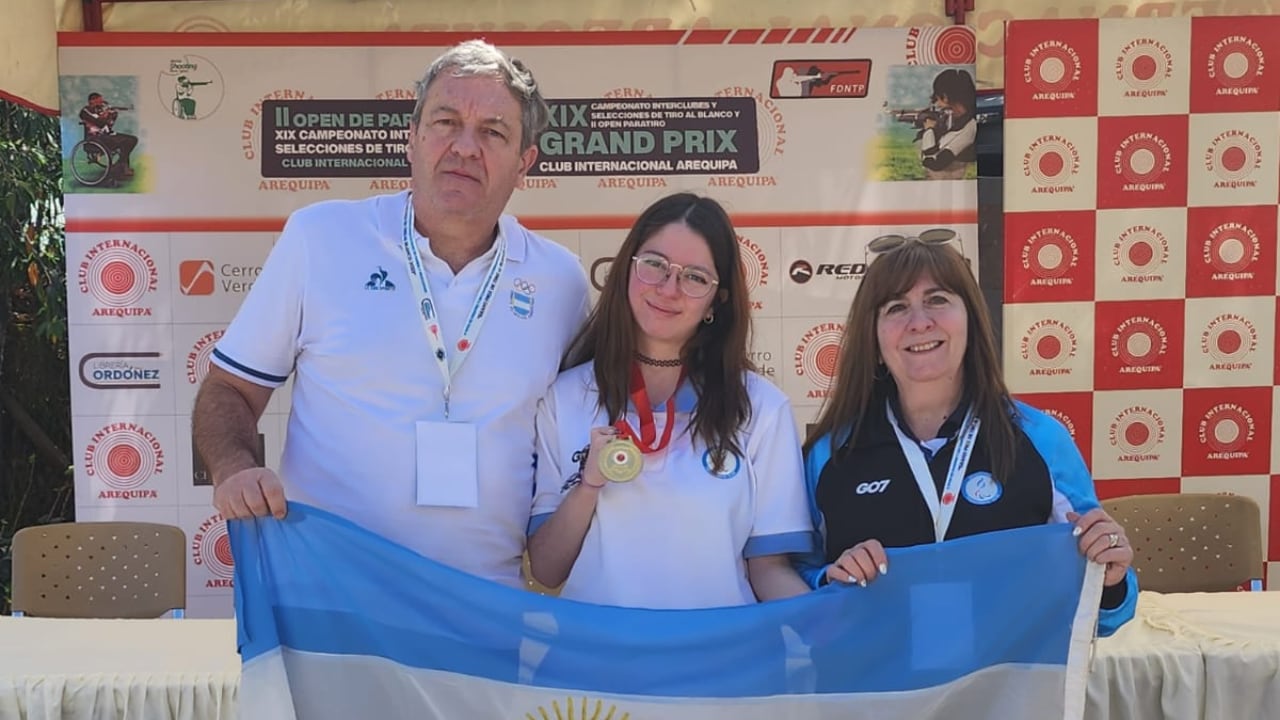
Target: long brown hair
[(890, 276), (715, 358)]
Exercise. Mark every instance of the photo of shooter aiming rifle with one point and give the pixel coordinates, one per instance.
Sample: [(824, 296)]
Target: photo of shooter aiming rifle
[(945, 130)]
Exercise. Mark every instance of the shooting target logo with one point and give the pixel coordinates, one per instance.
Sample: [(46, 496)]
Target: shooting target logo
[(1144, 64), (1139, 342), (118, 274), (1051, 161), (1141, 252), (1233, 156), (124, 456), (1229, 339), (1226, 428), (1236, 63), (1142, 160), (1052, 67), (941, 45), (1050, 253), (1048, 345), (211, 550), (1231, 248), (1137, 432), (817, 357), (755, 265)]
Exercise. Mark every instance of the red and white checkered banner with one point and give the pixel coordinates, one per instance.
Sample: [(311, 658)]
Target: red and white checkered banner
[(1142, 187)]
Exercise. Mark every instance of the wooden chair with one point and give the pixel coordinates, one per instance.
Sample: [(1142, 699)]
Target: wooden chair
[(100, 570), (1192, 542)]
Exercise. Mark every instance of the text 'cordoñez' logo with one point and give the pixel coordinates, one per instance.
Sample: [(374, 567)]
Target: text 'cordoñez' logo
[(1233, 156), (118, 274), (1048, 345), (1051, 68), (1139, 342), (1236, 63), (1140, 252), (121, 370), (1226, 428), (1137, 432), (1050, 253), (1231, 248), (818, 356), (1144, 64), (198, 357), (1229, 339), (124, 456), (1051, 162), (211, 550), (1142, 159)]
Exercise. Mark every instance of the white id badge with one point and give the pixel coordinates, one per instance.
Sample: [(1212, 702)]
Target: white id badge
[(447, 456)]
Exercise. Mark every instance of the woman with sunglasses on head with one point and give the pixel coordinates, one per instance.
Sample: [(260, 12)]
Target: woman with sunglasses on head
[(919, 440), (669, 474)]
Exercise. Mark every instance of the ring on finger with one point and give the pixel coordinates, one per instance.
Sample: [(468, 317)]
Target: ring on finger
[(1113, 539)]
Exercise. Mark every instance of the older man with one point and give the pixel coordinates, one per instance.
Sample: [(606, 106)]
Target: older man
[(420, 328)]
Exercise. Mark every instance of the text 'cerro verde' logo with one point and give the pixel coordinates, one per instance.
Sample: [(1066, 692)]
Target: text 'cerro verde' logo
[(1052, 67), (1231, 248), (1139, 342), (124, 456), (1051, 161), (1236, 64), (1137, 432), (817, 357), (1049, 254), (1144, 64), (1048, 345), (1226, 428), (211, 550), (1229, 339), (118, 274), (1141, 253), (204, 277), (198, 357)]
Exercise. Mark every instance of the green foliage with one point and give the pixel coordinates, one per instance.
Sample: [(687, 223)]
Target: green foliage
[(34, 375)]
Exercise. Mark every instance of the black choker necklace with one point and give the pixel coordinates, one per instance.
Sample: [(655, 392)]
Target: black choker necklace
[(658, 363)]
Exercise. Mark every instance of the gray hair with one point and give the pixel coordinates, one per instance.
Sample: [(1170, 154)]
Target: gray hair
[(479, 58)]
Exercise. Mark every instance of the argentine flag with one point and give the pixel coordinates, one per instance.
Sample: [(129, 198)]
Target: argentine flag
[(336, 622)]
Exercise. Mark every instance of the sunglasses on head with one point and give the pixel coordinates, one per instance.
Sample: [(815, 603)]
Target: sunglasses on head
[(933, 236)]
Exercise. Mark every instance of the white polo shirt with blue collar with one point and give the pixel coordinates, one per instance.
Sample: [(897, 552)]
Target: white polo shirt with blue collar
[(679, 535), (334, 307)]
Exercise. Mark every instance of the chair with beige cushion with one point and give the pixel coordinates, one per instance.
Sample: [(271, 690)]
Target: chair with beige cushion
[(99, 570), (1192, 542)]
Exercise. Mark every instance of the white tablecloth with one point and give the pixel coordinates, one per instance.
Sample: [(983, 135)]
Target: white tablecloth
[(109, 669), (1191, 657), (1184, 657)]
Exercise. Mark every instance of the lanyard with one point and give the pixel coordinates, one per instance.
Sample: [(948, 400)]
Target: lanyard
[(648, 426), (449, 363), (955, 473)]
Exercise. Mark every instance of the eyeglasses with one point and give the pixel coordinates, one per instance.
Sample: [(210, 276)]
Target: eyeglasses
[(653, 269), (934, 236)]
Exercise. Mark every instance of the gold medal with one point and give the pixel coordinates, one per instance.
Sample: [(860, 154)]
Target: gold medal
[(620, 460)]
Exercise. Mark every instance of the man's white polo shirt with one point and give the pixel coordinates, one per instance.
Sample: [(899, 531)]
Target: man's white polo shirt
[(334, 306), (678, 536)]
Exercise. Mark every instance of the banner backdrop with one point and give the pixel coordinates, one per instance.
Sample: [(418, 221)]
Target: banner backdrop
[(807, 136), (1142, 187)]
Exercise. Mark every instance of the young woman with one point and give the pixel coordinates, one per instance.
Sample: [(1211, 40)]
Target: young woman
[(700, 497)]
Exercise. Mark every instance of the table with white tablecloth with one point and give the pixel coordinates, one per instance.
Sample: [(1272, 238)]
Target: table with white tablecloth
[(101, 669), (1184, 657)]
